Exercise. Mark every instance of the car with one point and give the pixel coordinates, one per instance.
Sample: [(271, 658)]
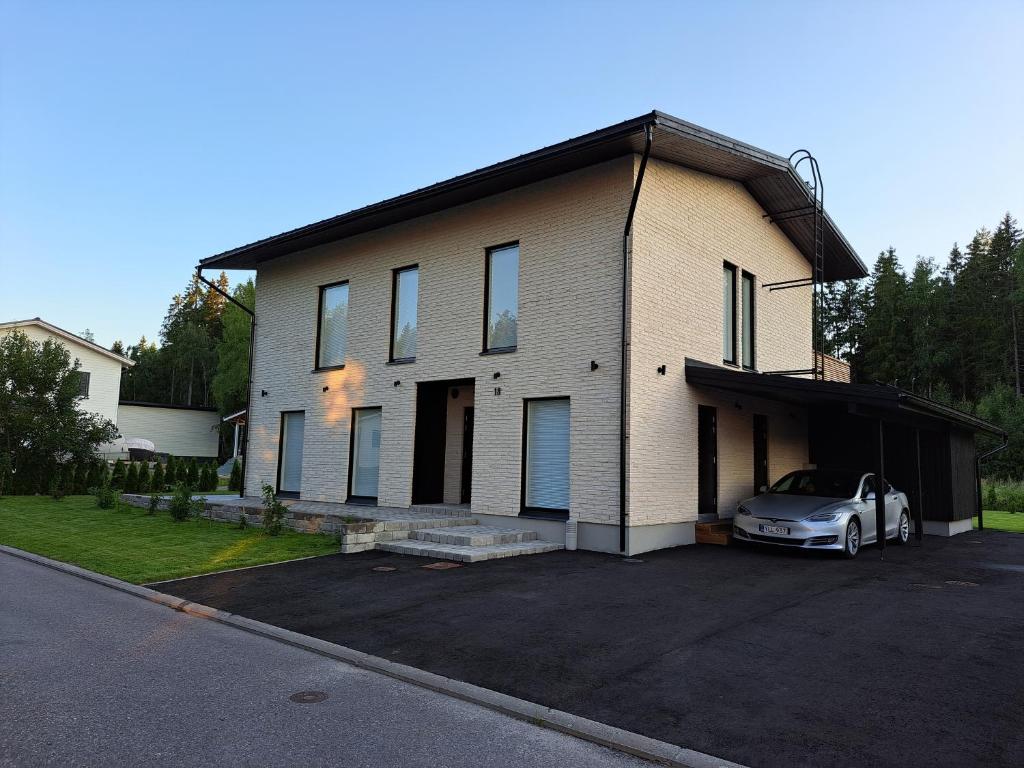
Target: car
[(825, 509)]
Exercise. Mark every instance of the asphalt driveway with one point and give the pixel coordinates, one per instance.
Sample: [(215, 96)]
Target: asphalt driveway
[(762, 657)]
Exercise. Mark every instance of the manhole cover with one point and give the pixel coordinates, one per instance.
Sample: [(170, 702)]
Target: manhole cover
[(632, 560), (308, 697), (927, 586), (383, 568), (442, 566), (954, 583)]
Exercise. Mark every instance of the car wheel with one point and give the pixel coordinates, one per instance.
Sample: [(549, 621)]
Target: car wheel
[(852, 546), (903, 528)]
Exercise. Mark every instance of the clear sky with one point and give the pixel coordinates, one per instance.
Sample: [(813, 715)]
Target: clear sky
[(139, 137)]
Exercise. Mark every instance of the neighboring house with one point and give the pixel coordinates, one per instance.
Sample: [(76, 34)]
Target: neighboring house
[(497, 340), (100, 371), (178, 430)]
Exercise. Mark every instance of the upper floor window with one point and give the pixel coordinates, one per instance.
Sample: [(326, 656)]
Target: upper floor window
[(749, 348), (332, 332), (501, 300), (83, 383), (404, 297), (728, 313)]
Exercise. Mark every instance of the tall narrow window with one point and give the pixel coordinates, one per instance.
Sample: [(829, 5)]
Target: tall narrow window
[(289, 460), (546, 459), (404, 298), (729, 313), (749, 348), (501, 302), (364, 456), (332, 332), (83, 383)]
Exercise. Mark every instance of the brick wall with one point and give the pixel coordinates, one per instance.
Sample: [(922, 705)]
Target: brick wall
[(569, 229)]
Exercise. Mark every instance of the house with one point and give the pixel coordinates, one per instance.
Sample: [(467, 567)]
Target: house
[(614, 333), (100, 371), (184, 431)]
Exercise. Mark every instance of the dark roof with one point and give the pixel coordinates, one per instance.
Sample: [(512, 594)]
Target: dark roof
[(769, 178), (144, 404), (879, 398)]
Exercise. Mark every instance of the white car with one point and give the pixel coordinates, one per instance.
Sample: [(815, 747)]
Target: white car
[(822, 509)]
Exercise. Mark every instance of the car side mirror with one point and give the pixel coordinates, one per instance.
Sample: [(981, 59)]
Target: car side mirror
[(763, 489), (869, 496)]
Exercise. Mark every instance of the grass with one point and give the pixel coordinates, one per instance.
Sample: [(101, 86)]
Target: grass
[(1002, 521), (130, 544)]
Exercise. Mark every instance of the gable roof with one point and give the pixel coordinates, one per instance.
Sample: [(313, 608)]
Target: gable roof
[(769, 178), (68, 336)]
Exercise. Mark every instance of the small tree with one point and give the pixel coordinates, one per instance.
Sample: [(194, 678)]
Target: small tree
[(117, 478), (157, 482), (213, 480), (171, 471), (131, 479), (204, 478), (273, 512), (235, 481), (144, 480), (181, 473), (181, 505), (95, 476), (57, 483), (82, 478), (192, 476)]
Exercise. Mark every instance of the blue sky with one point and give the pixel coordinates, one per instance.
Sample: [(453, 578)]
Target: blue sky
[(137, 138)]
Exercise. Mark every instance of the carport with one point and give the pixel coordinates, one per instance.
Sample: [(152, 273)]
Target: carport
[(924, 448)]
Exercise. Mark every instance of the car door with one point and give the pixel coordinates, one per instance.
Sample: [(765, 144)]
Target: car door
[(867, 510), (892, 510)]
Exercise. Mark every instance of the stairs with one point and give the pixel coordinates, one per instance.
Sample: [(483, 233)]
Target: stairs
[(469, 543), (715, 532)]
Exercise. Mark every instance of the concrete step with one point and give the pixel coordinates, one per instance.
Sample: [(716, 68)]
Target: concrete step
[(467, 554), (475, 536), (447, 510)]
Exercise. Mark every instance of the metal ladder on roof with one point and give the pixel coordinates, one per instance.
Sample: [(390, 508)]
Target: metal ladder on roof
[(816, 191)]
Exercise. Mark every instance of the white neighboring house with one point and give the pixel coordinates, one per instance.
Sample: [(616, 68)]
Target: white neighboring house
[(100, 368), (181, 430)]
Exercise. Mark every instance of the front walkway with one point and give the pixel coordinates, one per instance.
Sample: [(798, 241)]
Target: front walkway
[(96, 677)]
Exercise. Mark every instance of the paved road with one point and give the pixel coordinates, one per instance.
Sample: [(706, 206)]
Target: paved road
[(91, 676)]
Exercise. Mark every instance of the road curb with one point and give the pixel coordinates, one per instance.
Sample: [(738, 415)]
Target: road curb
[(520, 709)]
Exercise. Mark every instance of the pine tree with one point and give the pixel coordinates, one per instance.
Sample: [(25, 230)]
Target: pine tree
[(144, 479), (95, 476), (886, 344), (157, 482), (192, 475), (131, 479), (181, 473), (235, 481), (117, 478)]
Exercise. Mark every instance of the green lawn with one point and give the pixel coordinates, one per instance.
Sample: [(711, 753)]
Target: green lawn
[(129, 544), (1002, 521)]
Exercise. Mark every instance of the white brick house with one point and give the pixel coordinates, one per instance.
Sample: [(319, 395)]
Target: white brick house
[(502, 291)]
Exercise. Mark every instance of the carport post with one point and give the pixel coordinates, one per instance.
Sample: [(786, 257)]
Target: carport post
[(880, 491), (919, 512)]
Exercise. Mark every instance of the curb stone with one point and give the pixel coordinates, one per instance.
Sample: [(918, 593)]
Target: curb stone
[(520, 709)]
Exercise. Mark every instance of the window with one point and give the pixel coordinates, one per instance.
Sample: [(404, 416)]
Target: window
[(364, 454), (546, 455), (729, 313), (405, 284), (501, 300), (748, 320), (289, 457), (83, 383), (332, 332)]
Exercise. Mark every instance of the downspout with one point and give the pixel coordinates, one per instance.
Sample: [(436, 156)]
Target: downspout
[(627, 234), (248, 380), (977, 475)]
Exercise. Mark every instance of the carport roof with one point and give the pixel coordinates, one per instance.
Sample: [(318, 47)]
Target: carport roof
[(879, 398), (770, 179)]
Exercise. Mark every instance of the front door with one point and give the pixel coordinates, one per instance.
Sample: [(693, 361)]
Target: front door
[(760, 452), (707, 460), (364, 467), (467, 455)]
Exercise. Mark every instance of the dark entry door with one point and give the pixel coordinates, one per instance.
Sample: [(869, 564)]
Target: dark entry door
[(707, 460), (467, 455), (428, 448), (760, 452)]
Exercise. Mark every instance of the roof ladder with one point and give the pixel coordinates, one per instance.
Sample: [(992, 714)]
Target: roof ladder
[(816, 205)]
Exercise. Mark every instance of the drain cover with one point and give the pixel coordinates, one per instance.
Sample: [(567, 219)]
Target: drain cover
[(632, 560), (308, 697), (444, 565), (927, 586), (383, 568), (962, 583)]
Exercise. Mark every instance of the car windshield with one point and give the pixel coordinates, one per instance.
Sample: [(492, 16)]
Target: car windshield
[(819, 482)]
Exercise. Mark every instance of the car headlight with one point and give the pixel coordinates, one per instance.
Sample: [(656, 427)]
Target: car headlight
[(824, 517), (741, 510)]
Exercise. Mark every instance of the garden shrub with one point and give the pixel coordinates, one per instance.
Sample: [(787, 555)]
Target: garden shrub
[(991, 497), (57, 484), (171, 470), (154, 503), (273, 512), (235, 481), (181, 471), (156, 483), (192, 476), (144, 477), (182, 505), (131, 479), (117, 478), (95, 478), (243, 521), (1013, 500), (106, 495)]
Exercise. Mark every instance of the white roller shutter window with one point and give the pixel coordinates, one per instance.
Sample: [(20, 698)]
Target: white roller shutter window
[(547, 454), (291, 451)]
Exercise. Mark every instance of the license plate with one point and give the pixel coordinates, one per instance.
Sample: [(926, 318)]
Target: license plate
[(776, 529)]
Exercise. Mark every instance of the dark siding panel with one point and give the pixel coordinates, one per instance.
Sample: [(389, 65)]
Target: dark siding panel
[(962, 472)]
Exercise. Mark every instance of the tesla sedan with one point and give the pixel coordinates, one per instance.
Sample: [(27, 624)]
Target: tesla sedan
[(822, 509)]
